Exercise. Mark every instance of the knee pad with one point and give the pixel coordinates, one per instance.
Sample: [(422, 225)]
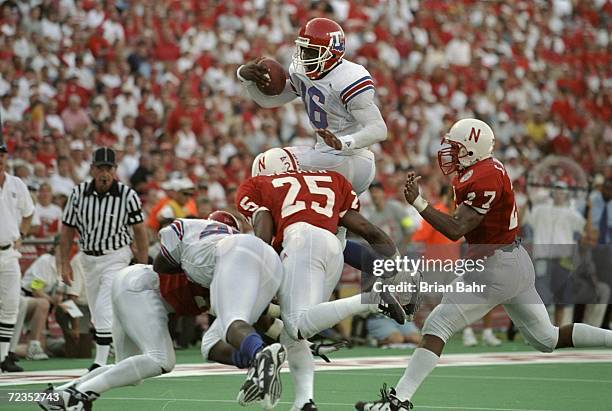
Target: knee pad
[(208, 342), (543, 340), (211, 337), (444, 321)]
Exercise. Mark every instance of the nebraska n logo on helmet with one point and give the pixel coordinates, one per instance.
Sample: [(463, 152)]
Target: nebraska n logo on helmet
[(275, 160), (320, 47), (468, 141)]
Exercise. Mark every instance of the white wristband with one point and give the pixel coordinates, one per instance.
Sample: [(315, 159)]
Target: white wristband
[(240, 77), (348, 143), (420, 204)]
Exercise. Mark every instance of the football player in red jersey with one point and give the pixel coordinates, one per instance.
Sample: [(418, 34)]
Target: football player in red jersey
[(299, 213), (486, 216)]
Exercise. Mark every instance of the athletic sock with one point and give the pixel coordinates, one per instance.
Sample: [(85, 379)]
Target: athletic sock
[(250, 346), (130, 371), (302, 368), (239, 360), (420, 366), (584, 335), (102, 352), (84, 378)]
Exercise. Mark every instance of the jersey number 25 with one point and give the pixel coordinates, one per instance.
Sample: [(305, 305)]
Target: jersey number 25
[(291, 206)]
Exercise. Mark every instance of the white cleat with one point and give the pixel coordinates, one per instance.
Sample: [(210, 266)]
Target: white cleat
[(488, 338), (35, 351), (469, 338), (270, 361)]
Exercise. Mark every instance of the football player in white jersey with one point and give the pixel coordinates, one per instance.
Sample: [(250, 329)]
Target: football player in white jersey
[(243, 274), (141, 300), (338, 96)]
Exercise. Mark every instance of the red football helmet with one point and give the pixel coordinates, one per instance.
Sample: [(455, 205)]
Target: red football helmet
[(319, 47), (225, 218)]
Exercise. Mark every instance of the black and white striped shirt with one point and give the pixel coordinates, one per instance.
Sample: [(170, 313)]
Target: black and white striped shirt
[(103, 220)]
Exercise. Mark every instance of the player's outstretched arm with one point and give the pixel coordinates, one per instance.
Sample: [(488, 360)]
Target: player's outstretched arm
[(456, 226), (253, 74), (453, 227), (377, 238)]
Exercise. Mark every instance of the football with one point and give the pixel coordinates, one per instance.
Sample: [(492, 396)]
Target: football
[(278, 77)]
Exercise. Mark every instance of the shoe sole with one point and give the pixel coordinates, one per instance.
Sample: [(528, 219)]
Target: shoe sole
[(273, 391), (396, 310), (248, 395)]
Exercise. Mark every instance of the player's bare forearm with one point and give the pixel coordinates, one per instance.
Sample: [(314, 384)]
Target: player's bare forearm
[(42, 294), (141, 242), (270, 101), (453, 227), (377, 238), (263, 225), (65, 243)]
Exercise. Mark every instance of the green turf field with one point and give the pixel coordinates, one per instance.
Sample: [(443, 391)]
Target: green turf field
[(583, 386)]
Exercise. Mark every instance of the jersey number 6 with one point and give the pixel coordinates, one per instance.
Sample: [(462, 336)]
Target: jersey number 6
[(291, 206), (317, 116)]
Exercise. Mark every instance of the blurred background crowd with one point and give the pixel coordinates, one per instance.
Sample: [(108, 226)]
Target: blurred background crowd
[(155, 80)]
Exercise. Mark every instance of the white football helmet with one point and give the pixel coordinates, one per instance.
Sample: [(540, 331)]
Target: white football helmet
[(275, 160), (469, 141)]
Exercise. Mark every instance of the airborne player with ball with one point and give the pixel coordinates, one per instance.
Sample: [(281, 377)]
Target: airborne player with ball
[(338, 96)]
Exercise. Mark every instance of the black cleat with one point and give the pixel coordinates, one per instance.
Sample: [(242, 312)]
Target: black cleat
[(9, 364), (93, 367), (388, 402), (309, 406)]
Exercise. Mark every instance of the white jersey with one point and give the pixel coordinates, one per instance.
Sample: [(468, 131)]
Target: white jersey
[(41, 275), (328, 100), (192, 244)]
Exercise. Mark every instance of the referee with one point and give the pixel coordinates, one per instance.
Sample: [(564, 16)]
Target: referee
[(102, 211), (16, 210)]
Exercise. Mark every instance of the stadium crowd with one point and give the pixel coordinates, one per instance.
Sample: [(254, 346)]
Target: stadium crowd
[(155, 80)]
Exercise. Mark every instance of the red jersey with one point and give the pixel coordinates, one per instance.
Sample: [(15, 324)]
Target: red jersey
[(486, 188), (186, 297), (319, 198)]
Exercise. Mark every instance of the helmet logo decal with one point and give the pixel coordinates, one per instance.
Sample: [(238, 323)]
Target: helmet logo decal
[(262, 163), (336, 44), (475, 135)]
